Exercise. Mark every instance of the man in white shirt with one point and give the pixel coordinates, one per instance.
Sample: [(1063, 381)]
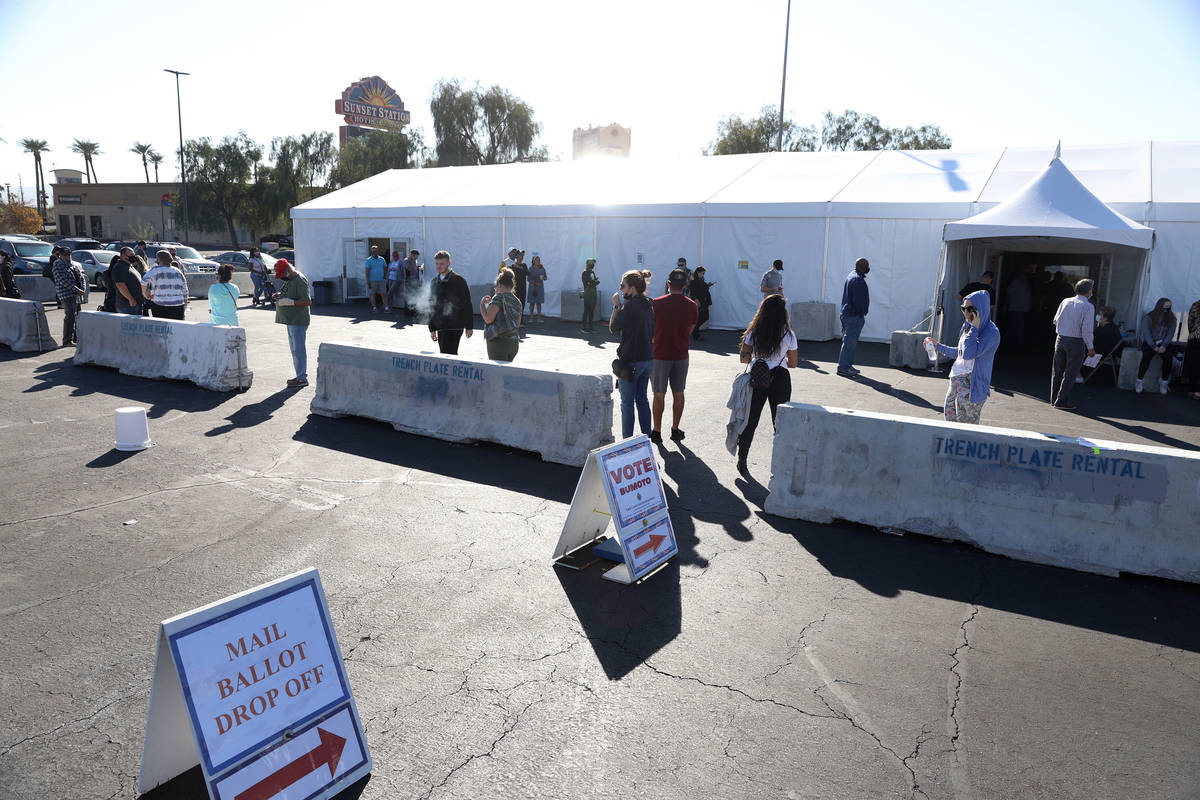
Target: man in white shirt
[(165, 287), (1074, 321)]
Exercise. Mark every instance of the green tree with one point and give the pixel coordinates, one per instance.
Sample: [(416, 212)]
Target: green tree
[(301, 166), (474, 126), (760, 135), (143, 150), (221, 188), (851, 130), (37, 147), (375, 152), (156, 159), (88, 150)]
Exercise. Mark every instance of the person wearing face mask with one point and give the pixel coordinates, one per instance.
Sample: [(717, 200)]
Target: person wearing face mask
[(1155, 334), (590, 294), (971, 373), (1106, 339), (633, 318)]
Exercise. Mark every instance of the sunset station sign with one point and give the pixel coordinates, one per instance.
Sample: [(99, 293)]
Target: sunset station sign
[(371, 102)]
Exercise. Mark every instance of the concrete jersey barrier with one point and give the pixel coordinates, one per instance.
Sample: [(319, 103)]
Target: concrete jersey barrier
[(198, 283), (561, 415), (211, 356), (40, 289), (1095, 506), (23, 326), (815, 322)]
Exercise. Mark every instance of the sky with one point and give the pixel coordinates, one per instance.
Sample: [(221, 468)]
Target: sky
[(990, 73)]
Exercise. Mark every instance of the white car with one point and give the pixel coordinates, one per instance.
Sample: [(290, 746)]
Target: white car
[(93, 262), (240, 260)]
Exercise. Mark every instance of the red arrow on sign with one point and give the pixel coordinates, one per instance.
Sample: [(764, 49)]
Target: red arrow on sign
[(327, 752), (656, 539)]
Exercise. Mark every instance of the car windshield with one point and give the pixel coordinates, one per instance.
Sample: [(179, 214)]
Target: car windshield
[(33, 249), (186, 252), (268, 261), (181, 251)]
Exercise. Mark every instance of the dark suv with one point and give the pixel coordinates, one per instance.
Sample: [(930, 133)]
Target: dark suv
[(30, 257)]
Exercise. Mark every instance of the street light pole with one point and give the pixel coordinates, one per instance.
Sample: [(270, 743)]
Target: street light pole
[(783, 89), (183, 167)]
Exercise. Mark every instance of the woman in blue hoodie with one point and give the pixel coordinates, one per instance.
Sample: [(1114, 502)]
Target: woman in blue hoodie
[(971, 374)]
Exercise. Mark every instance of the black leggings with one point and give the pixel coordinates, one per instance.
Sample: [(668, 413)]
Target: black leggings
[(779, 391), (1148, 354)]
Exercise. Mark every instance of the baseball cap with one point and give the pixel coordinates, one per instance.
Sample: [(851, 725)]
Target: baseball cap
[(281, 267), (591, 262), (677, 277)]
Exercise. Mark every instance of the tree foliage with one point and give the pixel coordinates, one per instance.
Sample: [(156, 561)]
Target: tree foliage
[(849, 130), (37, 147), (221, 185), (143, 150), (16, 217), (375, 152), (760, 135), (301, 165), (156, 159), (475, 126), (88, 150)]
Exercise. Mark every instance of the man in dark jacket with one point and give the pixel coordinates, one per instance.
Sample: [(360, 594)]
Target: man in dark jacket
[(856, 302), (450, 314)]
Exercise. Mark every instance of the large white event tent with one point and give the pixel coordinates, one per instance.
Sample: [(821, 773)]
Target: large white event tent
[(736, 214)]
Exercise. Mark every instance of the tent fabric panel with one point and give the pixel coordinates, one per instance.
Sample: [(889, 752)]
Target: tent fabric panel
[(475, 245), (1175, 266), (653, 243), (943, 212), (319, 246), (785, 179), (564, 243), (1114, 173), (925, 176), (736, 295), (1175, 169)]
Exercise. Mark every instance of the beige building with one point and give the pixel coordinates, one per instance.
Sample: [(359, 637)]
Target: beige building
[(608, 140)]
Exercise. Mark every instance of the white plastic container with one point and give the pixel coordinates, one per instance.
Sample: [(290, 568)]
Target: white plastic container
[(133, 432), (931, 351)]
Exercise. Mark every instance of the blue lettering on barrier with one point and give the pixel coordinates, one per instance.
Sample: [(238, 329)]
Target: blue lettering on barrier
[(461, 371), (146, 329)]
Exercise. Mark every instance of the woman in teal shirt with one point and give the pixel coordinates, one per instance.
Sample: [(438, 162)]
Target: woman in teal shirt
[(222, 298)]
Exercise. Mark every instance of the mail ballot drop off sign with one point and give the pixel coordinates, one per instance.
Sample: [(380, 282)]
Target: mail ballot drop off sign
[(252, 675)]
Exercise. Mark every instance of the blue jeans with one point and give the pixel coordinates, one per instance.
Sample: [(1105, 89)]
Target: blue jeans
[(296, 334), (259, 287), (851, 327), (635, 391)]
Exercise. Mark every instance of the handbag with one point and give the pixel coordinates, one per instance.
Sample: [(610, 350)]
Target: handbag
[(622, 369), (496, 327)]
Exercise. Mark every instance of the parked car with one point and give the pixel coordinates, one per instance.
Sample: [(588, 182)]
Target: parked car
[(240, 260), (93, 262), (30, 256), (79, 243), (280, 240), (191, 260), (290, 255)]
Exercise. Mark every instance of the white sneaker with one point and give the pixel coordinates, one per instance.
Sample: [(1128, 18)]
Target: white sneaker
[(1137, 387), (1164, 387), (1079, 379)]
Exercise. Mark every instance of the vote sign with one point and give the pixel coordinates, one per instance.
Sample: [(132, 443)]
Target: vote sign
[(258, 678), (631, 481)]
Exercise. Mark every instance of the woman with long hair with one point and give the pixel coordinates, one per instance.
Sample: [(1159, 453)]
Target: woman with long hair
[(633, 317), (501, 314), (1191, 357), (537, 289), (769, 339), (1155, 334)]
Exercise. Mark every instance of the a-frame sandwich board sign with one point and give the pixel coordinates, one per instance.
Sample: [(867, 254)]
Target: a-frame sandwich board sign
[(252, 688), (624, 479)]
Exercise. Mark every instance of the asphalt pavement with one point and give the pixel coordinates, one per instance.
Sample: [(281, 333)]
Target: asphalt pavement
[(772, 658)]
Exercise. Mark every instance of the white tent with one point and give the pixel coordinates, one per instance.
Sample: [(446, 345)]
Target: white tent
[(735, 214)]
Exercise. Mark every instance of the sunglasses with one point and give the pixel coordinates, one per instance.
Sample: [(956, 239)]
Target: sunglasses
[(968, 309)]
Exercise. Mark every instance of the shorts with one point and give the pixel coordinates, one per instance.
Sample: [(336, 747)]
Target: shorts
[(377, 287), (664, 372), (537, 293)]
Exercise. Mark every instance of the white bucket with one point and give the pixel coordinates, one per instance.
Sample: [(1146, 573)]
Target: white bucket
[(133, 433)]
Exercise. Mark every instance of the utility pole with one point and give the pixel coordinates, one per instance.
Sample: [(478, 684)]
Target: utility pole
[(183, 166), (783, 89)]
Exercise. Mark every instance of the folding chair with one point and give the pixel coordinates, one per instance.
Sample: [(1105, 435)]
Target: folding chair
[(1113, 360)]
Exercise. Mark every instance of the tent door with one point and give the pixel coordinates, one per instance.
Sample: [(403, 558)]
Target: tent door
[(354, 253)]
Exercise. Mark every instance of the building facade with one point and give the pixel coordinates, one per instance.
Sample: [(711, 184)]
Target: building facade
[(123, 211), (608, 140)]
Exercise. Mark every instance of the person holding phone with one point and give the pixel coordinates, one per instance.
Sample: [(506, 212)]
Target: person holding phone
[(633, 318), (971, 373)]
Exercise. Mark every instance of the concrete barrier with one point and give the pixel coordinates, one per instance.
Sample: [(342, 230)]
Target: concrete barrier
[(23, 326), (41, 290), (198, 283), (571, 305), (908, 349), (1097, 506), (815, 322), (213, 357), (478, 292), (560, 415), (1131, 357)]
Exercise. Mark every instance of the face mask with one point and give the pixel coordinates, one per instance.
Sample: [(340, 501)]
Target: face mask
[(1099, 319)]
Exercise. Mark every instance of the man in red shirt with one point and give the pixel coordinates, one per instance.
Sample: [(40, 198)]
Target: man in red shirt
[(674, 318)]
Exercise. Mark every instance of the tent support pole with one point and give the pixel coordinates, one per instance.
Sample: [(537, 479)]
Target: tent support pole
[(824, 255), (701, 261)]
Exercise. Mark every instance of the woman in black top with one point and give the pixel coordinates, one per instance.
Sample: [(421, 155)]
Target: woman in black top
[(633, 318), (698, 288)]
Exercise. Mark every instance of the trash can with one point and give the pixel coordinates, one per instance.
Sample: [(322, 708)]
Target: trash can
[(322, 293)]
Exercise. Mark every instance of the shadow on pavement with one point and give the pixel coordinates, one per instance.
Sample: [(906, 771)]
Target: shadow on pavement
[(162, 396), (190, 786), (626, 624), (700, 496), (1136, 607), (111, 458), (254, 413), (484, 463), (900, 394)]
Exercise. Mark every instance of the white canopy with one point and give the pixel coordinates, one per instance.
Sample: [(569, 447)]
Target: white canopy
[(1053, 204)]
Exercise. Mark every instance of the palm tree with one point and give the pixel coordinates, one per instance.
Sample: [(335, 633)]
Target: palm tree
[(87, 150), (37, 147), (155, 159), (143, 150)]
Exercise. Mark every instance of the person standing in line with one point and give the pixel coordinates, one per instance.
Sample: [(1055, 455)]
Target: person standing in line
[(520, 272), (699, 291), (109, 303), (971, 373), (1018, 307), (983, 284), (1075, 323), (537, 289), (8, 286), (1155, 334), (68, 286), (393, 281), (681, 263), (165, 288), (772, 279), (1191, 356), (140, 251), (450, 315), (591, 296), (502, 312), (373, 271), (633, 318), (856, 302), (292, 309), (769, 339), (222, 298), (258, 275), (674, 318), (411, 272), (124, 276)]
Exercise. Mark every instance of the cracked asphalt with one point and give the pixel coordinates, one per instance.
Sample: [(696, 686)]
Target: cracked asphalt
[(772, 658)]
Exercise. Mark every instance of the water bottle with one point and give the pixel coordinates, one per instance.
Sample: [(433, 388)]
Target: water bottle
[(931, 351)]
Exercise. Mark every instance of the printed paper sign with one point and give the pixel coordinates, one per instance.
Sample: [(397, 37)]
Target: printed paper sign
[(648, 547), (632, 482)]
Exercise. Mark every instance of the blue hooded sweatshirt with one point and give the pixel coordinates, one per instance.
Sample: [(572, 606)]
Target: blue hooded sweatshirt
[(980, 344)]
